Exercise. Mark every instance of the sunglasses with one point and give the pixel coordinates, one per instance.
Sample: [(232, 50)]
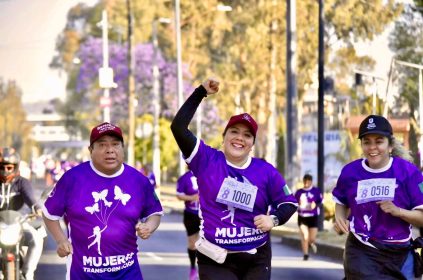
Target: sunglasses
[(7, 168)]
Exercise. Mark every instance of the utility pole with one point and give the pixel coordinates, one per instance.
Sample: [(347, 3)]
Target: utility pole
[(156, 108), (291, 97), (105, 72), (321, 112), (271, 150), (131, 87), (179, 71)]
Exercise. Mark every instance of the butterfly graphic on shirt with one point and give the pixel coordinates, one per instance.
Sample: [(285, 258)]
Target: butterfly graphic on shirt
[(101, 196), (119, 195), (103, 208), (93, 208)]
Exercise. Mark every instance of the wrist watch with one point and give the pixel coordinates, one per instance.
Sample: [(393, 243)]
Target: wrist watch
[(275, 220)]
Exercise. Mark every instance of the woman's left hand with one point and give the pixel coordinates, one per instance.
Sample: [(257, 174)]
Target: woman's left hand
[(263, 222), (389, 207)]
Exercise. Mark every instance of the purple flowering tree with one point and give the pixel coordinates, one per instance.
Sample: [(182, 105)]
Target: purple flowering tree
[(86, 84)]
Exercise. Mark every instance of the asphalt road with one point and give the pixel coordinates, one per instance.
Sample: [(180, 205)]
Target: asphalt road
[(164, 256)]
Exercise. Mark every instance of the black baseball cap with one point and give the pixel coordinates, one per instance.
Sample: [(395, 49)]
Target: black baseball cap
[(375, 124)]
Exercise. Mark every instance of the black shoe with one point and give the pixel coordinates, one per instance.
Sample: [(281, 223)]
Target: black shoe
[(305, 258)]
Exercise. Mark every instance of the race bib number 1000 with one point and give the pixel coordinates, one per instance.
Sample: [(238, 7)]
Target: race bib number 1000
[(237, 194), (375, 190)]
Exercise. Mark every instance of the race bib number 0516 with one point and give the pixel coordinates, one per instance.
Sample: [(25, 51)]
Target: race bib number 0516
[(237, 194), (375, 190)]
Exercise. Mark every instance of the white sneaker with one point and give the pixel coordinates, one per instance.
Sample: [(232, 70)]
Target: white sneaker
[(313, 248)]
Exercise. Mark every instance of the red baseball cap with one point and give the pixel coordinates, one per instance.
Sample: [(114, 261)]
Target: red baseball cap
[(244, 118), (105, 129)]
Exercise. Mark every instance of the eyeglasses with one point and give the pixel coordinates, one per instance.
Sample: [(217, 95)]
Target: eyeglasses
[(7, 168)]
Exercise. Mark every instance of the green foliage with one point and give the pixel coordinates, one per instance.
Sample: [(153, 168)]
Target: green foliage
[(169, 154), (237, 46), (406, 41), (14, 129)]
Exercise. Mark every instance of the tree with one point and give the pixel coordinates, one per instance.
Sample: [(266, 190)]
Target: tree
[(236, 46), (406, 41), (15, 130)]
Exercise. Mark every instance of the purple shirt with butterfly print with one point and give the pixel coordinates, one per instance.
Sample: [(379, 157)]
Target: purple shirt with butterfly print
[(187, 185), (230, 227), (101, 213), (359, 187)]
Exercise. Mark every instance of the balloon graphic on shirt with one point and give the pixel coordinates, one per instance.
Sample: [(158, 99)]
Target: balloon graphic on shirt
[(92, 209), (102, 209), (119, 195)]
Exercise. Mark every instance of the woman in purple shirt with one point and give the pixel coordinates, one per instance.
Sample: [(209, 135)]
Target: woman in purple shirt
[(187, 191), (309, 198), (378, 199), (235, 192)]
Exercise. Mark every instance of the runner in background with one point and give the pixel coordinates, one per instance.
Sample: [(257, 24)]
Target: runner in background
[(309, 198), (187, 191)]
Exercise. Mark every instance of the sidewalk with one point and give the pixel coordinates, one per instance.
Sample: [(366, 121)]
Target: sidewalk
[(328, 242)]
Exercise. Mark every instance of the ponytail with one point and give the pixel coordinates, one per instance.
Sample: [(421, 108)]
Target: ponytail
[(399, 150)]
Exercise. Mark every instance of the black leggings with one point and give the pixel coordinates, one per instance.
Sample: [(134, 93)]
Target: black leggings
[(238, 266)]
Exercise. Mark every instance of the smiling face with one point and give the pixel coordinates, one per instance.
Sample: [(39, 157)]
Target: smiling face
[(237, 143), (107, 154), (376, 149)]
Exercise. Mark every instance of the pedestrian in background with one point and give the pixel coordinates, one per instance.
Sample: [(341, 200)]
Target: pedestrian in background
[(235, 193), (384, 194), (187, 191), (106, 203), (309, 199)]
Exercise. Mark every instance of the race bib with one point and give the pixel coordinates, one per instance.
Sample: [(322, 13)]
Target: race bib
[(375, 190), (237, 194)]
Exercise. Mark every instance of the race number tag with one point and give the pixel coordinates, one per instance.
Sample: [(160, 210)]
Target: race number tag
[(375, 190), (237, 194)]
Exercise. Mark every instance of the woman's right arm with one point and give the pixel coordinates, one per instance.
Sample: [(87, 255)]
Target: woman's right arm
[(341, 221), (183, 136)]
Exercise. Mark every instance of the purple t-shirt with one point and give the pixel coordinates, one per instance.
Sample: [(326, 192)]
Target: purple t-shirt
[(187, 185), (359, 187), (231, 196), (101, 213), (307, 197)]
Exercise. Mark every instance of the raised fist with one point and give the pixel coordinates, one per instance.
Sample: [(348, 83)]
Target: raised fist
[(211, 85)]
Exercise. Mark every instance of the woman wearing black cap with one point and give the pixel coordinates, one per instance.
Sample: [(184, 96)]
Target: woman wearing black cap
[(383, 194), (235, 192)]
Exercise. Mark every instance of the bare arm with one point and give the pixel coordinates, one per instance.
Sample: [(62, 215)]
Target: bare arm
[(341, 222), (185, 197), (64, 247), (146, 229), (414, 217)]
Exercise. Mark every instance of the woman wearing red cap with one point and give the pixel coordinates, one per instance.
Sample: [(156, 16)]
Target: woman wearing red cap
[(235, 192)]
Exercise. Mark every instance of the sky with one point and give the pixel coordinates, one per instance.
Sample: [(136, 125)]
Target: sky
[(28, 32)]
